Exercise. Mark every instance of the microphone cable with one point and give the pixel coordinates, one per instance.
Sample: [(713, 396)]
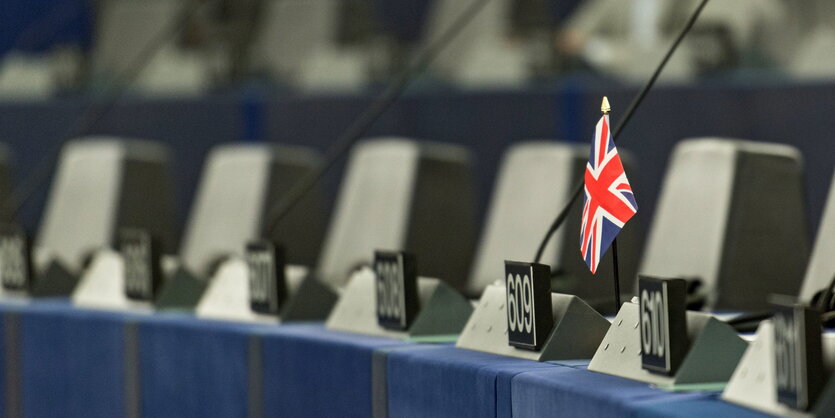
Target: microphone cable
[(560, 219), (94, 112), (366, 119)]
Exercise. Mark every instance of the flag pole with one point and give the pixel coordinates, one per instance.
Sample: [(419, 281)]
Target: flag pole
[(616, 275), (606, 108)]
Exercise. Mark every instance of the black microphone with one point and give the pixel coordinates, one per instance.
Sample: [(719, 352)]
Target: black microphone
[(366, 119), (560, 219)]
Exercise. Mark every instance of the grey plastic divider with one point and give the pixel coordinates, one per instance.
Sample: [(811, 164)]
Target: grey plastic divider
[(577, 330), (732, 214), (239, 182), (821, 268), (401, 194), (101, 184)]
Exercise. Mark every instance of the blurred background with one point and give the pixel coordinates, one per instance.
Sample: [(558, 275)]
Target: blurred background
[(198, 73), (54, 48)]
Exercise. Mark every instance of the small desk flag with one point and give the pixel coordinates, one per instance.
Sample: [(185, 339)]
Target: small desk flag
[(608, 201)]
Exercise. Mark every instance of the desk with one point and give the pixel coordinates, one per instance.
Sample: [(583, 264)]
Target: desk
[(74, 362), (70, 362), (710, 406), (191, 367), (575, 391), (447, 381), (309, 371)]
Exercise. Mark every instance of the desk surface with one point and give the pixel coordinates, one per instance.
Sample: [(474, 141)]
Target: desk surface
[(77, 362)]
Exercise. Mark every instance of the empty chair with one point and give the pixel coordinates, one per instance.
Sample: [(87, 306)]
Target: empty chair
[(5, 182), (127, 29), (482, 54), (821, 268), (808, 35), (400, 194), (535, 181), (103, 184), (297, 44), (239, 184), (731, 214), (27, 77), (42, 46), (811, 59)]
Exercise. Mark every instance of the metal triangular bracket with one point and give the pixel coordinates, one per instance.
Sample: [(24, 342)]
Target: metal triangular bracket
[(182, 291), (227, 296), (753, 383), (577, 330), (715, 350), (55, 280), (103, 285), (442, 311)]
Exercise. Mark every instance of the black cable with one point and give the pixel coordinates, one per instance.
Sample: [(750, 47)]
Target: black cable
[(96, 111), (749, 317), (363, 123), (560, 219)]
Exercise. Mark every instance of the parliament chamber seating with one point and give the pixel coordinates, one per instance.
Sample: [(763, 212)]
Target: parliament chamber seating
[(821, 270), (166, 277), (753, 380), (720, 223), (535, 181), (403, 194), (239, 184), (396, 193), (101, 185)]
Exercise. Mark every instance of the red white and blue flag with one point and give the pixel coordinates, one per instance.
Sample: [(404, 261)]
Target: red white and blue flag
[(609, 202)]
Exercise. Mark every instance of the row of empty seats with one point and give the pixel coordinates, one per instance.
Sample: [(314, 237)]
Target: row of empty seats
[(301, 43), (731, 215)]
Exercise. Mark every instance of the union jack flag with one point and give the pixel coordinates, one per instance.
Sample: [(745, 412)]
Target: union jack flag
[(608, 202)]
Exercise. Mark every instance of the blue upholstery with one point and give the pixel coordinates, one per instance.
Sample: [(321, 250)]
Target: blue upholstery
[(431, 381), (73, 363), (706, 407), (574, 391), (309, 371), (192, 367)]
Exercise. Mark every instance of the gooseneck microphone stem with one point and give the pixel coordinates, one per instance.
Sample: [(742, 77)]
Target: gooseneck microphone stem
[(616, 273), (363, 123), (94, 112), (560, 219)]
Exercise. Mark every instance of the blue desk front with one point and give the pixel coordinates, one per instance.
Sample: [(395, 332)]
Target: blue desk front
[(447, 381), (76, 362), (571, 390), (69, 362), (63, 361), (309, 371)]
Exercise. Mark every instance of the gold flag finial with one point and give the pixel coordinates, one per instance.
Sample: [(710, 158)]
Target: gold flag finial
[(604, 107)]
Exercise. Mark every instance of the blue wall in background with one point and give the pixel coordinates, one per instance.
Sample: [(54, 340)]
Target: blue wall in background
[(39, 25), (486, 122)]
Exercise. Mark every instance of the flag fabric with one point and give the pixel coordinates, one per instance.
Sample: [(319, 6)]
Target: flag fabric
[(609, 202)]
